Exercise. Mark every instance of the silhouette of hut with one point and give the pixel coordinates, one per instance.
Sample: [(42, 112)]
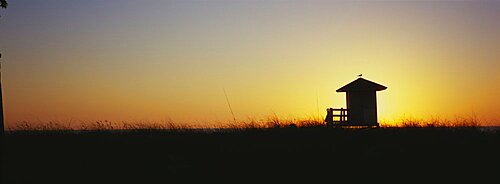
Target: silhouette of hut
[(361, 102)]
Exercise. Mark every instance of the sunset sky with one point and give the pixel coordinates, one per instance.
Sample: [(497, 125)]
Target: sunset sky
[(159, 60)]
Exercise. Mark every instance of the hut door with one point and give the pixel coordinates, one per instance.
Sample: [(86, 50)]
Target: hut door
[(369, 116)]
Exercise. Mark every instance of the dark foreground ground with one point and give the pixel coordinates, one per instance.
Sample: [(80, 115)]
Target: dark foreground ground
[(261, 155)]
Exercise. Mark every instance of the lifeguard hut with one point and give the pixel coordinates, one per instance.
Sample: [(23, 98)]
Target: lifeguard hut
[(361, 102)]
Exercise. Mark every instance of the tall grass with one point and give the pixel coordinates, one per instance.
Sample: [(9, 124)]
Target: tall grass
[(435, 122), (271, 122), (98, 126)]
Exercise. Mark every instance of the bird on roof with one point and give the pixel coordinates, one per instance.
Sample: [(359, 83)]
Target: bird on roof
[(360, 75)]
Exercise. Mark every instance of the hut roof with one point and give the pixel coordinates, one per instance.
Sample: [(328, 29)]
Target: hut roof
[(361, 84)]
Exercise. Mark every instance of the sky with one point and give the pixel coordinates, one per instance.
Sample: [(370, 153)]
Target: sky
[(159, 60)]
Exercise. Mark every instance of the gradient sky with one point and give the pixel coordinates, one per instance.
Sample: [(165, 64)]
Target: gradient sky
[(158, 60)]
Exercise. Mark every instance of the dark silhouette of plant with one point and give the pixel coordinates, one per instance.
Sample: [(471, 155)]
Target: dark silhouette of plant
[(1, 103), (3, 3)]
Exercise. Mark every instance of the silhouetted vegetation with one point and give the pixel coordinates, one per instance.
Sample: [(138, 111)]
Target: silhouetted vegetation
[(135, 153), (3, 3)]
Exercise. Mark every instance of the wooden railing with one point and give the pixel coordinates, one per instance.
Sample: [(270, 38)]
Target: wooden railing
[(342, 116)]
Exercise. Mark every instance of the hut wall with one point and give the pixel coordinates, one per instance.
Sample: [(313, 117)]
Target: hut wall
[(362, 108)]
